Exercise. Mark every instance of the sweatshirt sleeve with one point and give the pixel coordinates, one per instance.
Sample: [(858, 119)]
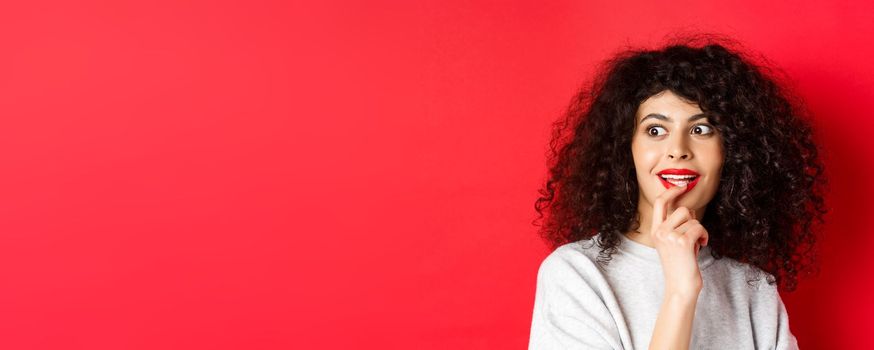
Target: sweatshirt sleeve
[(568, 312), (785, 339), (770, 320)]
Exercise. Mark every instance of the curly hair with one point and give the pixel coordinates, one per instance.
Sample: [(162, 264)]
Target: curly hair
[(772, 180)]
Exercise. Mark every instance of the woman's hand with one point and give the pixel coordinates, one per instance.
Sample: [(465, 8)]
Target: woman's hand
[(677, 238)]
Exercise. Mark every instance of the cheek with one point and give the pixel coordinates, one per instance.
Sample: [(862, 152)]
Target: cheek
[(715, 158), (645, 157), (645, 163)]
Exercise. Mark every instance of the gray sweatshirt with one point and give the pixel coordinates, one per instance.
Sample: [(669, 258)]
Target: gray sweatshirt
[(580, 305)]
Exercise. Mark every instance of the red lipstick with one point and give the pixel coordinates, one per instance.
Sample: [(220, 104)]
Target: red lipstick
[(679, 172)]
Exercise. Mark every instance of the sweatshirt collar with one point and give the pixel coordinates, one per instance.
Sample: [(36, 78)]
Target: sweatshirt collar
[(652, 255)]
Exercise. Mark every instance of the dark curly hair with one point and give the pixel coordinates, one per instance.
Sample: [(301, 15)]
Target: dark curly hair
[(772, 179)]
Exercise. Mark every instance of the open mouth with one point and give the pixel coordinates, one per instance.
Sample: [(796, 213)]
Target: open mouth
[(679, 180)]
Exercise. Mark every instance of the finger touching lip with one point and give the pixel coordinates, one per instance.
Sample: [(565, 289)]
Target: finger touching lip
[(689, 187)]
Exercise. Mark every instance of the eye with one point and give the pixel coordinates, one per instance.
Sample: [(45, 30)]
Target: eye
[(705, 129), (654, 127)]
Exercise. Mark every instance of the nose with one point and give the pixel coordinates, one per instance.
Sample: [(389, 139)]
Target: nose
[(678, 149)]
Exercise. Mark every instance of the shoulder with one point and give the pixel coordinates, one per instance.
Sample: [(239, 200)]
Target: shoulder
[(750, 289), (744, 279), (570, 282), (737, 270), (571, 256), (572, 263), (573, 307)]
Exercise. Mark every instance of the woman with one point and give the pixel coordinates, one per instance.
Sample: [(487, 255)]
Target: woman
[(682, 191)]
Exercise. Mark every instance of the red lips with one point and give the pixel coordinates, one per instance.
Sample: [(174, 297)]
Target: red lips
[(679, 172)]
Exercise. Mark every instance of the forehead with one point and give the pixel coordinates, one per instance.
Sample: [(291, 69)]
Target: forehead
[(667, 103)]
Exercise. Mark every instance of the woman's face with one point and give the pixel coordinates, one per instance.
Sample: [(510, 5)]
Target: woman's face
[(673, 134)]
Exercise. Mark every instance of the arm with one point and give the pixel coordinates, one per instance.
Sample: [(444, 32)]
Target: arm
[(568, 310), (676, 237), (673, 328), (551, 330), (785, 339)]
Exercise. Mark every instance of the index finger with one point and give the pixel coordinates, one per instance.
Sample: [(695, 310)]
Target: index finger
[(663, 201)]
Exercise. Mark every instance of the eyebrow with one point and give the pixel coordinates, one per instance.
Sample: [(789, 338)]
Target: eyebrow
[(661, 117)]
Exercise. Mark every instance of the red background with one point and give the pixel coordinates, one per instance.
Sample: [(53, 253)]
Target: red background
[(254, 174)]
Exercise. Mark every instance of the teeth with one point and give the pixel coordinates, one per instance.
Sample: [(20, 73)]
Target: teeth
[(675, 182), (677, 177)]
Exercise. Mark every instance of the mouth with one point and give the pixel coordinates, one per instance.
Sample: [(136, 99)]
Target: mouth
[(689, 178)]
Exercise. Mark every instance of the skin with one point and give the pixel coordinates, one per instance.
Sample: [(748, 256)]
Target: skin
[(668, 217), (658, 145)]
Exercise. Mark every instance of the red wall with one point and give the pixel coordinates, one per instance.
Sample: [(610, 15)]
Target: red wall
[(228, 175)]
